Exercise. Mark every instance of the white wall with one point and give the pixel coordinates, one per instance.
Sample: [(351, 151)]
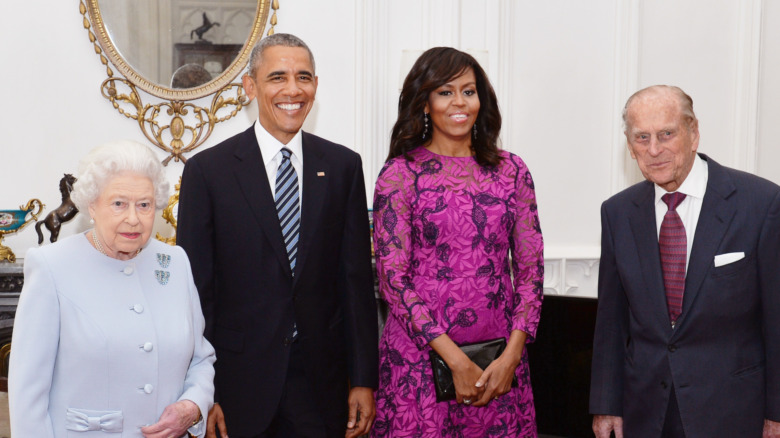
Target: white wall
[(562, 70)]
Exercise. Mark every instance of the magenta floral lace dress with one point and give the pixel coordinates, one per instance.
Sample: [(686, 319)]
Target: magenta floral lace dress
[(444, 229)]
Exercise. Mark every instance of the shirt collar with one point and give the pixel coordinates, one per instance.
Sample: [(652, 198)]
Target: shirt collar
[(270, 146), (695, 183)]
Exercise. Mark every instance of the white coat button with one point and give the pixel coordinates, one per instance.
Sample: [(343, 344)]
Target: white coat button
[(138, 308), (148, 347), (128, 270), (148, 388)]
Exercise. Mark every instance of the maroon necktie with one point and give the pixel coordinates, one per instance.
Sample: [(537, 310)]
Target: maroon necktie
[(674, 246)]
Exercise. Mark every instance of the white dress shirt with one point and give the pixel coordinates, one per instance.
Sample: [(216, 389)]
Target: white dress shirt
[(693, 187), (271, 149)]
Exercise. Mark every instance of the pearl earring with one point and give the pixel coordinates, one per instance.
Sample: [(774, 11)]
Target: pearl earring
[(91, 221)]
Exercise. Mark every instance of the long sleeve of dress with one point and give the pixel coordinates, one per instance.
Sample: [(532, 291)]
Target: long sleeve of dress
[(527, 250), (393, 247), (35, 339)]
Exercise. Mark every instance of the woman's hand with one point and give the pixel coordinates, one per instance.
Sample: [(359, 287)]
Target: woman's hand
[(174, 421), (465, 373), (465, 376), (497, 378)]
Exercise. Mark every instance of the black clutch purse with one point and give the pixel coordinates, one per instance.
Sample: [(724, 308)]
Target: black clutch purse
[(481, 353)]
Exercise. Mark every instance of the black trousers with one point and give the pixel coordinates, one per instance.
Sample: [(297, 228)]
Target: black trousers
[(297, 415), (673, 427)]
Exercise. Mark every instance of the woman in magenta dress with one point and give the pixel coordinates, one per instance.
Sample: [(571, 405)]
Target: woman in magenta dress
[(459, 258)]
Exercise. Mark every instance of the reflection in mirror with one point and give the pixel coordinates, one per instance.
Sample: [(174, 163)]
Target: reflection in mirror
[(190, 76), (158, 37), (152, 44)]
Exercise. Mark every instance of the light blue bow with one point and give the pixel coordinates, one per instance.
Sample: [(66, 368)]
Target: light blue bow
[(84, 420)]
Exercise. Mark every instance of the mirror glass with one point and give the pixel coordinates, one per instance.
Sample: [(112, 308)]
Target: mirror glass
[(179, 49)]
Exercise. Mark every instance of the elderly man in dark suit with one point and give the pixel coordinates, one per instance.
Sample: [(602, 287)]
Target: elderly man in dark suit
[(687, 340), (275, 223)]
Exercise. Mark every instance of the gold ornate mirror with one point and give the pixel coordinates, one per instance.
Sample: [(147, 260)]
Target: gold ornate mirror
[(178, 51)]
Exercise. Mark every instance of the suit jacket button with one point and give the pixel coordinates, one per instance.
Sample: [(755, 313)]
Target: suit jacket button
[(287, 342), (663, 385), (672, 348)]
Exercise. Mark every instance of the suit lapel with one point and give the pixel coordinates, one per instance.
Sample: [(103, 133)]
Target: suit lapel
[(253, 181), (316, 176), (714, 219), (646, 237)]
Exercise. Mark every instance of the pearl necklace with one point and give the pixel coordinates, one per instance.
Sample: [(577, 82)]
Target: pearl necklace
[(97, 243), (99, 247)]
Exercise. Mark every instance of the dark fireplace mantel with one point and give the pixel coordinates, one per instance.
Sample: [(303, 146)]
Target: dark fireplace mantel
[(11, 281), (11, 278)]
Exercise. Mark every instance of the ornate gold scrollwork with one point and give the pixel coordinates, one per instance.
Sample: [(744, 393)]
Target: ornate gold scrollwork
[(275, 7), (12, 221), (174, 126), (171, 137), (170, 217)]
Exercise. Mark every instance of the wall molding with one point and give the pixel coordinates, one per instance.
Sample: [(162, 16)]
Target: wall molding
[(571, 276), (441, 21), (506, 65), (626, 71), (371, 98), (746, 86)]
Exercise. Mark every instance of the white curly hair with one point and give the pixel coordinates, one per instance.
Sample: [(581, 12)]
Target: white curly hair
[(104, 162)]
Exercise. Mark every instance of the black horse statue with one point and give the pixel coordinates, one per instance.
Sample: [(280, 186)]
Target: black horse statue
[(65, 212), (199, 31)]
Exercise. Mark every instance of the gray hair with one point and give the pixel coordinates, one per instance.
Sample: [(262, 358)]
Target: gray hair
[(277, 39), (685, 101), (105, 162)]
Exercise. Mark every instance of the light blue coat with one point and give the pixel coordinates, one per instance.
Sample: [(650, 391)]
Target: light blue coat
[(101, 346)]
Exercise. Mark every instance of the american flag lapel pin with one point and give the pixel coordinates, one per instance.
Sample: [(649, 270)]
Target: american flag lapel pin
[(320, 173)]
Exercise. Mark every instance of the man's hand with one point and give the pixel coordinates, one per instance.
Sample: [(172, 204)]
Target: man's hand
[(604, 424), (771, 429), (362, 411), (216, 420), (174, 421)]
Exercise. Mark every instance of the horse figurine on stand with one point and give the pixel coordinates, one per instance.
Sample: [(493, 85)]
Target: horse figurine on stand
[(65, 212)]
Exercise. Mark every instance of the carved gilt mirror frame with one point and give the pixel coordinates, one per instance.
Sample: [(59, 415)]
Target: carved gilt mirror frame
[(174, 124)]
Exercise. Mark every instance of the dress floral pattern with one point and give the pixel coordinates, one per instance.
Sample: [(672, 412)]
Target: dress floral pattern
[(444, 231)]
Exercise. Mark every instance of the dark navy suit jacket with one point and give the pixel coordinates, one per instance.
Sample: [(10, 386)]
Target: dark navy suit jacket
[(723, 357), (228, 225)]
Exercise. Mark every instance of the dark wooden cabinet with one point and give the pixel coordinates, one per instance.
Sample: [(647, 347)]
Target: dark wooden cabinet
[(203, 53)]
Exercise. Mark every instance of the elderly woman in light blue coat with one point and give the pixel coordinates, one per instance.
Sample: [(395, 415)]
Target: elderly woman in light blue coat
[(108, 336)]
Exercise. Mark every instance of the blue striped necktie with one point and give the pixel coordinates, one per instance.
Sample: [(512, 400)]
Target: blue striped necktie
[(287, 205)]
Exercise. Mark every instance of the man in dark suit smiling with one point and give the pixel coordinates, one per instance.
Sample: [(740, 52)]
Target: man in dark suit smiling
[(687, 340), (275, 223)]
